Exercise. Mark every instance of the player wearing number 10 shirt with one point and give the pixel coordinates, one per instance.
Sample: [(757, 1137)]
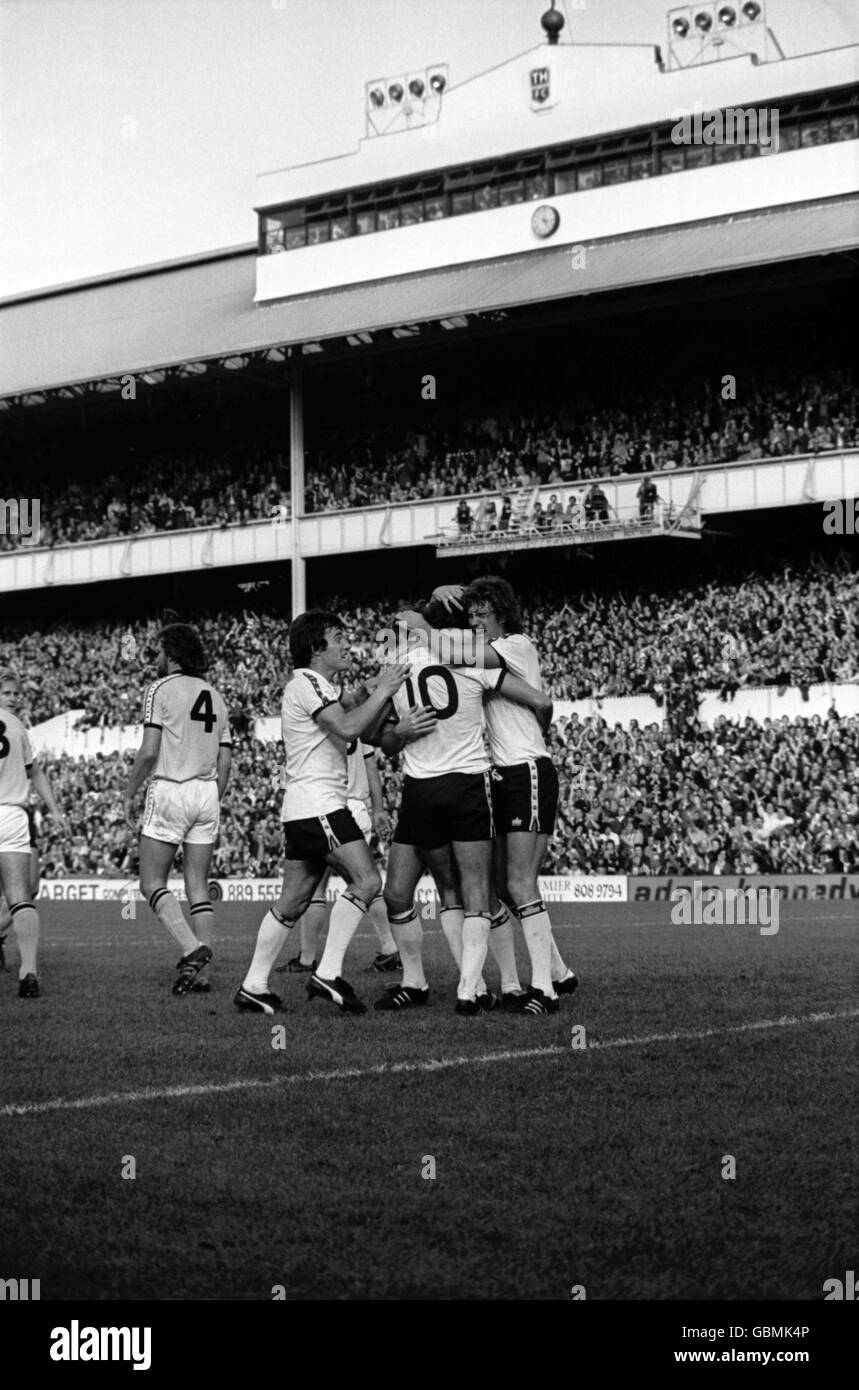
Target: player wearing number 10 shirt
[(446, 802), (187, 752)]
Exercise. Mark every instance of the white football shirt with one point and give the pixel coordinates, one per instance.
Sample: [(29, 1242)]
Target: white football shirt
[(16, 755), (456, 694), (193, 721), (315, 764), (358, 785), (513, 730)]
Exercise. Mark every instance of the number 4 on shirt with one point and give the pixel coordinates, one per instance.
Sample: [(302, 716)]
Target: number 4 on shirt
[(204, 711)]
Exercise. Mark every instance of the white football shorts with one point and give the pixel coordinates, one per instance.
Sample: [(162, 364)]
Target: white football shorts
[(14, 830), (362, 816), (182, 813)]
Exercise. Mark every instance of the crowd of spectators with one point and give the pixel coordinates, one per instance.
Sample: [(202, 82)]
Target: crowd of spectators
[(504, 451), (182, 477), (664, 798), (789, 627), (738, 798)]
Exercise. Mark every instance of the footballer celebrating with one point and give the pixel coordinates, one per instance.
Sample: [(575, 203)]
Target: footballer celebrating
[(447, 800), (525, 783), (18, 768), (187, 752), (11, 698), (319, 829)]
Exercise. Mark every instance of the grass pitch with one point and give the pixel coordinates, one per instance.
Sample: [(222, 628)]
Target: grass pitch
[(301, 1169)]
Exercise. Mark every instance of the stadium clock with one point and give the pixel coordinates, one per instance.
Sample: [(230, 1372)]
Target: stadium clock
[(545, 220)]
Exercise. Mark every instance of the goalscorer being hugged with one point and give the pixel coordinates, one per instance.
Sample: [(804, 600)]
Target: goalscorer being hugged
[(319, 829)]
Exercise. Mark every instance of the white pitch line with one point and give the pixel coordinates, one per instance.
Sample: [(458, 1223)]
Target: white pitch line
[(395, 1068)]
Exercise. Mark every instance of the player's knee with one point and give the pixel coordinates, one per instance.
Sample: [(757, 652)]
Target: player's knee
[(396, 903), (367, 886), (521, 889)]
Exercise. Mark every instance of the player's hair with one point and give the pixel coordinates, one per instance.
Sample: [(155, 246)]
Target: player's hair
[(492, 589), (437, 615), (182, 644), (307, 634)]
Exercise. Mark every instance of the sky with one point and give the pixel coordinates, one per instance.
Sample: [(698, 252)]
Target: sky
[(131, 131)]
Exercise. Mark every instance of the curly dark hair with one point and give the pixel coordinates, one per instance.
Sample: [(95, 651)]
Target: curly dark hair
[(307, 634), (492, 589), (182, 644)]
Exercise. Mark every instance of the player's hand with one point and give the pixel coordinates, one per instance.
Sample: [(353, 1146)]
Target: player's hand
[(128, 812), (450, 595), (392, 677), (411, 618), (382, 823), (416, 723)]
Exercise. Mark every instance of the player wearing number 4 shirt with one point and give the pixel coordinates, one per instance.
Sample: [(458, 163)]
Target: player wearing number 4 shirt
[(525, 783), (447, 802), (319, 829), (187, 752)]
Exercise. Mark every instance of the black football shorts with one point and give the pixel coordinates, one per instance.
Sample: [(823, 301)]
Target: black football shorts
[(526, 796), (436, 810), (317, 836)]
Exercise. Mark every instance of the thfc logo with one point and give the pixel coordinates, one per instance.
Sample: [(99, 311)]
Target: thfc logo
[(78, 1343)]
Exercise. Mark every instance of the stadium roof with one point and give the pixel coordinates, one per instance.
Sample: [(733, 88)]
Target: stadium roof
[(192, 311)]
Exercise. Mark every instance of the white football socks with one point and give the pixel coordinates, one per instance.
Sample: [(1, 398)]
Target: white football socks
[(503, 949), (475, 943), (273, 931), (408, 938), (346, 915), (25, 924), (538, 938), (169, 913), (378, 915), (451, 924), (312, 920)]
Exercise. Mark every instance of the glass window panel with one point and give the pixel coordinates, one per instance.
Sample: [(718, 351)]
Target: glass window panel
[(485, 197), (672, 161), (844, 127), (274, 240), (725, 154), (317, 232), (295, 237), (365, 222), (752, 150), (511, 193), (565, 181), (435, 209), (340, 228), (294, 217), (641, 167), (590, 178), (789, 139), (412, 213), (698, 156), (617, 172), (461, 202), (537, 187), (815, 133), (388, 218)]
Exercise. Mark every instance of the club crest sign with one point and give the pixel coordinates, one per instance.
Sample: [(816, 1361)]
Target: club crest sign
[(540, 82)]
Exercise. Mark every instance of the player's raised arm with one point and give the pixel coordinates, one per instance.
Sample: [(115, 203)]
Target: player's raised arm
[(449, 649), (335, 720), (514, 688)]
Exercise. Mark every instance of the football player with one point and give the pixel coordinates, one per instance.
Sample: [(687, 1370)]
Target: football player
[(447, 800), (18, 770), (187, 753), (364, 798), (11, 698), (525, 782), (319, 828)]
